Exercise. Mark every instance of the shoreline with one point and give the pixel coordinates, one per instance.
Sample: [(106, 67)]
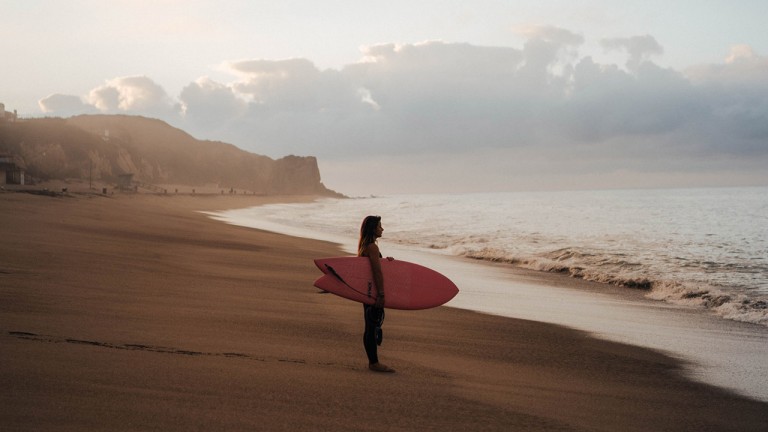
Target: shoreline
[(735, 362), (142, 308)]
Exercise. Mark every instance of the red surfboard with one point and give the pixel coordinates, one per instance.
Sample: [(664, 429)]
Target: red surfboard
[(408, 285)]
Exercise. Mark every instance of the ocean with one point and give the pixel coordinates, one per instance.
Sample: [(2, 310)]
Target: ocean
[(699, 258)]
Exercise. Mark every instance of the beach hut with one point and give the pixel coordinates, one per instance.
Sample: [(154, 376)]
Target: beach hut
[(11, 170), (125, 181)]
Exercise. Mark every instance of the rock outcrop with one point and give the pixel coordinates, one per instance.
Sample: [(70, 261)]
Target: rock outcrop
[(104, 147)]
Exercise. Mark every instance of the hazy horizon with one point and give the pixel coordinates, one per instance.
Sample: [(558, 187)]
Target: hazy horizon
[(427, 97)]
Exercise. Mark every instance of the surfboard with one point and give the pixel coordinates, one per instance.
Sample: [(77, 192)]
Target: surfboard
[(407, 285)]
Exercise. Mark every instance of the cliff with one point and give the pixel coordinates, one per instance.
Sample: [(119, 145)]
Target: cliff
[(103, 147)]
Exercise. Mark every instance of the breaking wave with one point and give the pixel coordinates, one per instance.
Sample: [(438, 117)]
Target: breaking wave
[(621, 272)]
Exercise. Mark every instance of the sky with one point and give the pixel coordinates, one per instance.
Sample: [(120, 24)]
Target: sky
[(420, 96)]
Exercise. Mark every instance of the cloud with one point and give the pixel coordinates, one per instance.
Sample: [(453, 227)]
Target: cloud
[(281, 106), (292, 85), (741, 54), (639, 48), (63, 105), (433, 94), (606, 102), (737, 93), (552, 34), (494, 114), (208, 104), (131, 94), (742, 67)]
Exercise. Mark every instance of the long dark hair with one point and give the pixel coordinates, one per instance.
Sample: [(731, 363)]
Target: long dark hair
[(367, 233)]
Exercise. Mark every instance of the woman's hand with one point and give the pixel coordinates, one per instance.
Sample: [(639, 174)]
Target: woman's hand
[(390, 259)]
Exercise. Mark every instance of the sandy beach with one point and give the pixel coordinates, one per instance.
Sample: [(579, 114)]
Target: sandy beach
[(136, 312)]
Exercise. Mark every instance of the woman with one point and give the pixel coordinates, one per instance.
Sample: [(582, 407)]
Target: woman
[(371, 230)]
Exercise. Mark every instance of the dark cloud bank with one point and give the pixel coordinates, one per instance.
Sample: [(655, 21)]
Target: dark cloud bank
[(454, 116)]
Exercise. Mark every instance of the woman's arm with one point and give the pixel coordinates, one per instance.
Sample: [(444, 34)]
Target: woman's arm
[(373, 255)]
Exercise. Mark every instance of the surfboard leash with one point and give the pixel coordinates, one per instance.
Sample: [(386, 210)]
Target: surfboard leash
[(333, 272)]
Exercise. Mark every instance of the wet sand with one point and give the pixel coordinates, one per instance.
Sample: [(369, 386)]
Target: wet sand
[(135, 312)]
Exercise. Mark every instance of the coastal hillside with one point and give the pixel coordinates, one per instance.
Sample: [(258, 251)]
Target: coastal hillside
[(105, 147)]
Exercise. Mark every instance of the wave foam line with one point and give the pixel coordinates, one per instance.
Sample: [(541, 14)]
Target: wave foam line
[(734, 307)]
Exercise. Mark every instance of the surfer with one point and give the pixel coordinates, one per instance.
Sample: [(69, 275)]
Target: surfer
[(370, 231)]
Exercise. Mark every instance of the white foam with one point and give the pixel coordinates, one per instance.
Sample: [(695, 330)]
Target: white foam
[(729, 306)]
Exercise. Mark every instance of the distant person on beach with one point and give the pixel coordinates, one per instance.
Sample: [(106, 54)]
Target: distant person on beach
[(370, 231)]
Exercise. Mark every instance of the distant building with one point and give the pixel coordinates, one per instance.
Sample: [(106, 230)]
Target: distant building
[(7, 116), (125, 181), (11, 170)]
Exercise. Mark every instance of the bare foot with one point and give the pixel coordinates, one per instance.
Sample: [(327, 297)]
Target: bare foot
[(378, 367)]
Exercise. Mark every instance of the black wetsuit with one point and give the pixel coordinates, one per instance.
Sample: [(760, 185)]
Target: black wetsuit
[(374, 316)]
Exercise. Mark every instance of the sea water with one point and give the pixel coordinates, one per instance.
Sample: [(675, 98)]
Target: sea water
[(701, 252)]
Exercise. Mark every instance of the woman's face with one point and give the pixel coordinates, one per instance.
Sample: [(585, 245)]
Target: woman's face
[(379, 230)]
